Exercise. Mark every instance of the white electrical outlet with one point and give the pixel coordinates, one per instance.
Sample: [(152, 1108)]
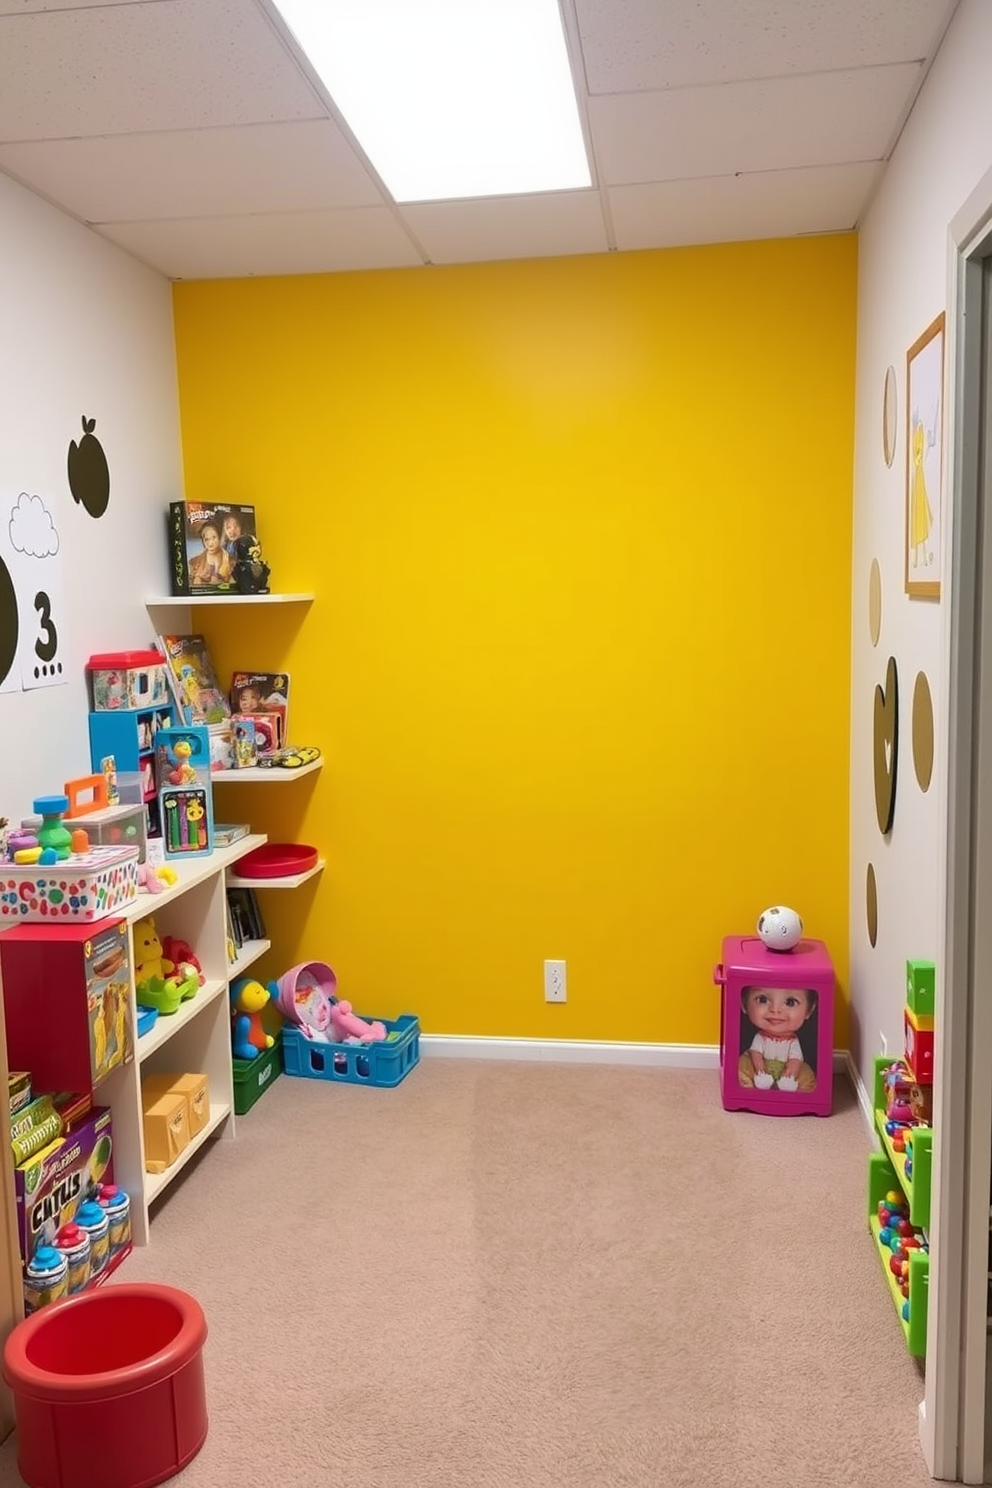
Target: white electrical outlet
[(883, 1043), (555, 986)]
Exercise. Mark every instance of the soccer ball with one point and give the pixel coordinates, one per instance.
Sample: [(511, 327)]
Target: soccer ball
[(780, 928)]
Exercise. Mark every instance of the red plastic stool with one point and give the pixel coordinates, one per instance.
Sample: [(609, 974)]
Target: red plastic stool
[(108, 1388)]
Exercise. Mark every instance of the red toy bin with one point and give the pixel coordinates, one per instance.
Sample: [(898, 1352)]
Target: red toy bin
[(778, 1005), (108, 1388)]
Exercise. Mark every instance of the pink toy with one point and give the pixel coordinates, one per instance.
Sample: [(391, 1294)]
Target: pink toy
[(776, 1027), (148, 879), (305, 997), (347, 1026)]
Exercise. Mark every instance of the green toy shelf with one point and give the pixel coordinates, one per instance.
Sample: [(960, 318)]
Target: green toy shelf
[(882, 1178), (916, 1188)]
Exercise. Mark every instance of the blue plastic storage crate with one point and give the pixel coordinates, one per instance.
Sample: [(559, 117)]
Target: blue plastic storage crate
[(384, 1063)]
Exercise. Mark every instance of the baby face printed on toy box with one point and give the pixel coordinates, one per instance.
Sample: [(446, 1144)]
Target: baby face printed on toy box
[(778, 1038)]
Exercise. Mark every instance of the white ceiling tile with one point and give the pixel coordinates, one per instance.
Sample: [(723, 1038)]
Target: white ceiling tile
[(640, 45), (196, 173), (510, 227), (30, 7), (249, 247), (188, 64), (828, 119), (773, 204)]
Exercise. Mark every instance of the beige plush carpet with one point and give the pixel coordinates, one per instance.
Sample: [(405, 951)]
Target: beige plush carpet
[(521, 1276)]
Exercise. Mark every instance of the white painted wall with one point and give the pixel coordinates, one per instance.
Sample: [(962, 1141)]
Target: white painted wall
[(944, 151), (85, 330)]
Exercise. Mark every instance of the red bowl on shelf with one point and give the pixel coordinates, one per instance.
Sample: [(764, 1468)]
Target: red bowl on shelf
[(276, 860)]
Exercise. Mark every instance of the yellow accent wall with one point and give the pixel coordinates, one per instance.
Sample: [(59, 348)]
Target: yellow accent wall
[(579, 662)]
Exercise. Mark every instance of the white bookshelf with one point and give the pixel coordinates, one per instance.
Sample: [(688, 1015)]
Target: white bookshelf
[(164, 1028), (249, 953), (157, 1183)]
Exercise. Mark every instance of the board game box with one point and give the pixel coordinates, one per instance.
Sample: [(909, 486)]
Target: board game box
[(193, 679), (50, 1186), (202, 537), (261, 692)]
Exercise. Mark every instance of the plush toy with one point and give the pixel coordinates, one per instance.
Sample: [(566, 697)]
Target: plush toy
[(780, 928), (348, 1028), (178, 955), (156, 984), (250, 571), (248, 1035)]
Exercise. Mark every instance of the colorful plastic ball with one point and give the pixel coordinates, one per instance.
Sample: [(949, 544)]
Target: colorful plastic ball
[(909, 1167), (894, 1198), (895, 1264), (885, 1236), (905, 1228), (905, 1312), (780, 928)]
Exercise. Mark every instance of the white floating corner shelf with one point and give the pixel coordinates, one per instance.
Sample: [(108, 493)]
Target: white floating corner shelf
[(276, 775), (284, 881), (159, 601)]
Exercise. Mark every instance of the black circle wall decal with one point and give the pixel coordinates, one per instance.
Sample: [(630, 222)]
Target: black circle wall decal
[(9, 625), (871, 905), (885, 746), (89, 474)]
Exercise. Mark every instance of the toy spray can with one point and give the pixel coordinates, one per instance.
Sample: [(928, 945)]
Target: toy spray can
[(96, 1222), (117, 1206), (46, 1278), (74, 1243)]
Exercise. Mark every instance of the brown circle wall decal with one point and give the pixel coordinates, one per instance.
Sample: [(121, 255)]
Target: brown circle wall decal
[(885, 746), (922, 731), (874, 602), (871, 905), (889, 416)]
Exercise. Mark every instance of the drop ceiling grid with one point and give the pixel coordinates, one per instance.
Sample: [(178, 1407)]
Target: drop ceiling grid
[(775, 124), (295, 167), (181, 65), (513, 227), (639, 45), (730, 209), (282, 243)]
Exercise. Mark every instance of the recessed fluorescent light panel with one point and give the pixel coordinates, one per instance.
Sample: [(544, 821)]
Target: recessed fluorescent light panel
[(450, 98)]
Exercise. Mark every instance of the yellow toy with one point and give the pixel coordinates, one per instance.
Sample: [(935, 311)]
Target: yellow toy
[(158, 983)]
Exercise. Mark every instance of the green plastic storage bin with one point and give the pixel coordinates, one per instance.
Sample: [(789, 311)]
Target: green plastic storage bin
[(252, 1077)]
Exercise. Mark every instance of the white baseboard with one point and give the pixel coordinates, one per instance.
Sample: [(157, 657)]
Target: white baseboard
[(590, 1051), (864, 1097)]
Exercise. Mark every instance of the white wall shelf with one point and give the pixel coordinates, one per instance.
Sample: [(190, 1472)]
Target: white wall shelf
[(276, 776), (159, 601), (284, 881)]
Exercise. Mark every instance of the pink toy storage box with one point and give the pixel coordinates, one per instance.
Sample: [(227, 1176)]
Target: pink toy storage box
[(791, 994)]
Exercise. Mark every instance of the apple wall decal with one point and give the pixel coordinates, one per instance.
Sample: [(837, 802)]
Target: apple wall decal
[(89, 474), (885, 749)]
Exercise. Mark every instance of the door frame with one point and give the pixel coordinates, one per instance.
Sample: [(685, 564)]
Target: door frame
[(953, 1413)]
